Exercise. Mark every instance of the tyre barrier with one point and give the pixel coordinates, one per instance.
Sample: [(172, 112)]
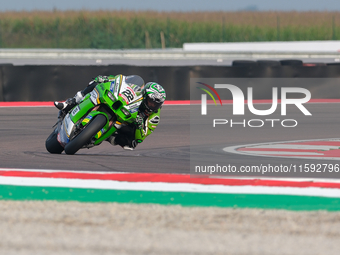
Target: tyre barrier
[(284, 62), (268, 63), (291, 62), (59, 82), (244, 63)]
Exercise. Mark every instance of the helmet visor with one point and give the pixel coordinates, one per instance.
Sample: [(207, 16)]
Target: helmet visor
[(153, 105), (134, 79)]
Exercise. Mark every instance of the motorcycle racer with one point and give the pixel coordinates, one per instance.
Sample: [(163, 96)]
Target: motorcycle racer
[(128, 136)]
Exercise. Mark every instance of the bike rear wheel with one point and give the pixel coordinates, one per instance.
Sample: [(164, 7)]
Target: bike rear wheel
[(52, 145)]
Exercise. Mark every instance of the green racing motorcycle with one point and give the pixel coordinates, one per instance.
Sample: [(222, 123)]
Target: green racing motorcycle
[(97, 117)]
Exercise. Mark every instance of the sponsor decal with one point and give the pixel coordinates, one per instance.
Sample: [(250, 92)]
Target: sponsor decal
[(133, 110), (112, 87), (75, 111), (133, 105), (94, 97), (87, 119), (100, 133), (117, 86), (154, 120)]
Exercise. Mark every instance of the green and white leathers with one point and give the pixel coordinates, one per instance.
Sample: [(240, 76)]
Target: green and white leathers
[(149, 118), (153, 98), (112, 103)]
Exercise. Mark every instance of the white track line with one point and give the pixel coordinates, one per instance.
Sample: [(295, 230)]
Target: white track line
[(59, 170), (168, 187), (234, 149), (285, 153), (293, 147), (327, 180)]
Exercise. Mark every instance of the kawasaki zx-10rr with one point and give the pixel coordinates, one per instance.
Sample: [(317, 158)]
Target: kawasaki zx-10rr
[(97, 117)]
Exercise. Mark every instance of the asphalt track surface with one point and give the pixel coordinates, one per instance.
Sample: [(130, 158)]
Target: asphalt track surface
[(323, 124), (23, 131)]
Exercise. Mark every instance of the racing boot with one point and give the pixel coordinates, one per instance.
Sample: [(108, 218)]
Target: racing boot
[(67, 105), (111, 140)]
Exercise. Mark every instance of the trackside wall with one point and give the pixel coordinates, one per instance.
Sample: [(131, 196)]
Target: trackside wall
[(54, 82)]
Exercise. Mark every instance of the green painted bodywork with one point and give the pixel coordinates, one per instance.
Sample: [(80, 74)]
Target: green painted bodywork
[(87, 110)]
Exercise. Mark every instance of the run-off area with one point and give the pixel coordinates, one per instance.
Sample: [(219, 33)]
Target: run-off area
[(48, 227)]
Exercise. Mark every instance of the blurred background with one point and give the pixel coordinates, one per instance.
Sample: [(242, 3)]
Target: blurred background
[(154, 24)]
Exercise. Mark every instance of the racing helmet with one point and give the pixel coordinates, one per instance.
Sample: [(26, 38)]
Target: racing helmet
[(153, 97)]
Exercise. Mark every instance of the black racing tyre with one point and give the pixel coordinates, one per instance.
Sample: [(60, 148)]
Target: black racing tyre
[(52, 144), (268, 63), (88, 132), (291, 62), (244, 63)]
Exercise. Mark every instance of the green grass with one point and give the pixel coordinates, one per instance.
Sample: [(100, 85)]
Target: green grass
[(109, 31)]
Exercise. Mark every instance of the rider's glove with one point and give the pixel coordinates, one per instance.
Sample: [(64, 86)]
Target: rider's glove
[(101, 78), (139, 122)]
